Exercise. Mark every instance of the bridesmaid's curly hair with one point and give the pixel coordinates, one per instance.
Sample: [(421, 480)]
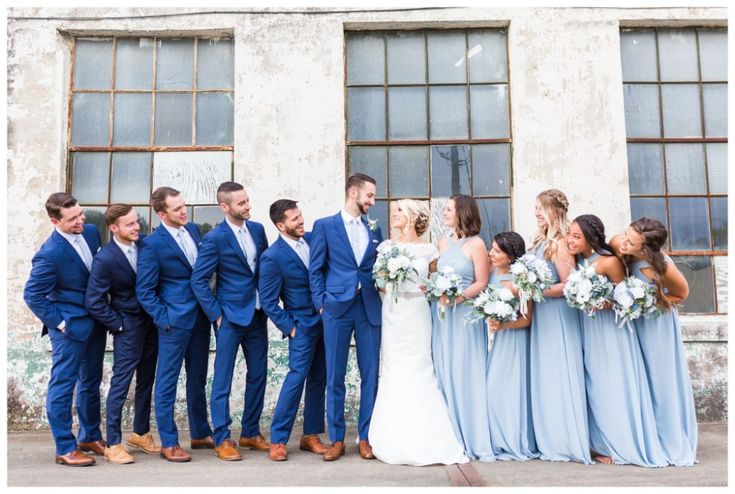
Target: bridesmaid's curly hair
[(654, 236)]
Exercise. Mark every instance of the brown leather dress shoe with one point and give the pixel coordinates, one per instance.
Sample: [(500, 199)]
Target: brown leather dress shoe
[(278, 452), (145, 443), (313, 443), (227, 451), (257, 443), (366, 451), (336, 450), (205, 443), (75, 459), (175, 454), (96, 447)]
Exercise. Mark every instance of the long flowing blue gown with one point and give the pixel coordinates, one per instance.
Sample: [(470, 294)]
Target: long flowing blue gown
[(668, 378), (508, 400), (621, 420), (558, 400), (459, 350)]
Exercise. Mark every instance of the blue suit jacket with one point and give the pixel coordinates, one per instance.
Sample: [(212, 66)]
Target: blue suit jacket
[(112, 275), (236, 282), (334, 272), (283, 275), (163, 283), (55, 288)]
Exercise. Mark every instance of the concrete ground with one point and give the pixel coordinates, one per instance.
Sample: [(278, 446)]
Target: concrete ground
[(31, 463)]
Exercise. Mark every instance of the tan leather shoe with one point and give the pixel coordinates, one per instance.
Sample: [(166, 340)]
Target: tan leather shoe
[(145, 443), (96, 447), (175, 454), (75, 459), (336, 450), (227, 451), (313, 443), (278, 452), (118, 454), (257, 443), (366, 451), (204, 443)]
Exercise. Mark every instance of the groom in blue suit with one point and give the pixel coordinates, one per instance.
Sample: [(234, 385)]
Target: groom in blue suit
[(55, 294), (284, 276), (343, 250)]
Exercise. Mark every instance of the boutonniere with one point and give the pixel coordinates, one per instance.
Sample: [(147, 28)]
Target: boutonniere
[(372, 224)]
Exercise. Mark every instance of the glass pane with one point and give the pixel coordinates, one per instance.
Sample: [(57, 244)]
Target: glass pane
[(681, 110), (717, 167), (173, 119), (93, 64), (96, 216), (491, 169), (718, 208), (409, 171), (436, 224), (144, 214), (677, 49), (215, 63), (407, 113), (366, 114), (90, 175), (638, 54), (371, 161), (487, 55), (713, 54), (450, 170), (215, 119), (495, 215), (489, 109), (715, 110), (207, 217), (132, 126), (689, 223), (448, 112), (90, 119), (645, 169), (196, 174), (642, 110), (721, 278), (406, 58), (134, 63), (446, 56), (685, 168), (175, 64), (131, 177), (653, 207), (379, 212), (365, 59), (699, 274)]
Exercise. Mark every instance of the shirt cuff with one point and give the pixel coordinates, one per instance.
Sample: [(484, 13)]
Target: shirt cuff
[(61, 325)]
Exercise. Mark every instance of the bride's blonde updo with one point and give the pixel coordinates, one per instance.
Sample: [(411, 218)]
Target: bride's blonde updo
[(417, 213)]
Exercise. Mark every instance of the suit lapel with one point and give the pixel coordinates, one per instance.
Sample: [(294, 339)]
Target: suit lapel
[(71, 252), (339, 225), (173, 244), (121, 258), (291, 254), (230, 235)]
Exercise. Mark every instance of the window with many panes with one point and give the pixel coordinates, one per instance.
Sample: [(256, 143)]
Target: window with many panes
[(146, 112), (428, 116), (675, 87)]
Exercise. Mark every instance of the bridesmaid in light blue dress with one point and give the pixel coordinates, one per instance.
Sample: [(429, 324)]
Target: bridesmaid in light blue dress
[(660, 339), (508, 400), (558, 399), (621, 421), (459, 348)]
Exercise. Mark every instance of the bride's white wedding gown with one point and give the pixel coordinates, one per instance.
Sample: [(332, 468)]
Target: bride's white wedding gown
[(410, 424)]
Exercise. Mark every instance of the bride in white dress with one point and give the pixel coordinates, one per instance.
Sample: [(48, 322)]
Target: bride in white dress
[(410, 424)]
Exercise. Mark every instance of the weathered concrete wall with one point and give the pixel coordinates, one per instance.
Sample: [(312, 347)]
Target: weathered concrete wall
[(567, 118)]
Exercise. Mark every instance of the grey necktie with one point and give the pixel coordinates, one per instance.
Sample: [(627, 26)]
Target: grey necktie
[(132, 257), (354, 224), (80, 245), (190, 256), (303, 251), (248, 246)]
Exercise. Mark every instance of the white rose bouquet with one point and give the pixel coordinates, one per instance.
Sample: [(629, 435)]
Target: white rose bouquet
[(532, 276), (393, 266), (444, 282), (498, 304), (634, 298), (586, 290)]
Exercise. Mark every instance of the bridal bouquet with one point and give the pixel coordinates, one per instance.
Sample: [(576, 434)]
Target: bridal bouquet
[(586, 290), (532, 276), (443, 282), (634, 298), (393, 266), (494, 303)]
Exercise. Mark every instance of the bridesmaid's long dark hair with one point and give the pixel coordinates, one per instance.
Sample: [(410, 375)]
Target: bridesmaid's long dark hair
[(594, 233), (654, 236), (469, 221)]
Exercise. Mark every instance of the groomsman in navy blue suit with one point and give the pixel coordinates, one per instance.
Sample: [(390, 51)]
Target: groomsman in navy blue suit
[(231, 251), (343, 250), (55, 294), (111, 300), (284, 275), (163, 286)]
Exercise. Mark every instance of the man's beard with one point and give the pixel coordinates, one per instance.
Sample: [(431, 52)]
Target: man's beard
[(294, 232), (362, 207)]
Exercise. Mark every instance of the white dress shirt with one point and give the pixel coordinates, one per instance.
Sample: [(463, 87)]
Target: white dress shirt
[(300, 247), (191, 246), (130, 251), (357, 234), (247, 244)]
